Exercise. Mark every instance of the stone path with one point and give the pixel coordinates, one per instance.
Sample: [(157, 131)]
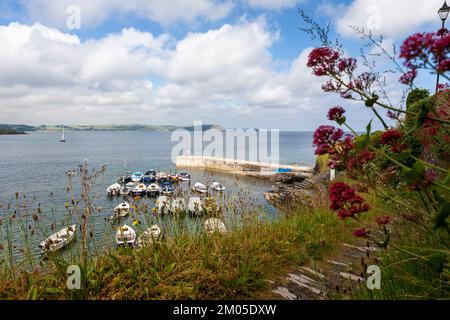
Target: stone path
[(329, 278)]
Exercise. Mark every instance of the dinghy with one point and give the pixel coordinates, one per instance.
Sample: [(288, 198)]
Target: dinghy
[(217, 186), (162, 177), (126, 189), (125, 235), (151, 173), (137, 176), (125, 178), (214, 225), (184, 176), (113, 190), (149, 236), (195, 205), (58, 240), (139, 191), (200, 187), (121, 210), (148, 178), (153, 190), (162, 203), (167, 188), (177, 205)]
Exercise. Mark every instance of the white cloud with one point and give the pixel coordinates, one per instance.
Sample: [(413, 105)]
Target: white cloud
[(387, 17), (54, 13), (225, 75), (272, 4)]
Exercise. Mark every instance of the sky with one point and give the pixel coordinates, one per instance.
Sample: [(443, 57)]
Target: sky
[(236, 63)]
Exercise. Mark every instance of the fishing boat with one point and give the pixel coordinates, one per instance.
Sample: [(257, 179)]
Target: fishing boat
[(113, 190), (153, 190), (162, 177), (150, 173), (63, 138), (162, 203), (195, 205), (137, 176), (148, 178), (139, 191), (184, 176), (125, 235), (217, 186), (200, 187), (126, 189), (214, 225), (58, 240), (149, 236), (120, 210), (177, 205), (125, 178), (167, 188)]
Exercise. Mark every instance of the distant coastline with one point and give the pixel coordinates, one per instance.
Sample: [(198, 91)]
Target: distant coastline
[(21, 129)]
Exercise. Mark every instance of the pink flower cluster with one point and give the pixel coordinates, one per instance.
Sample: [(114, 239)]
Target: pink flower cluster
[(390, 137), (323, 61), (408, 77), (337, 114), (325, 139), (345, 201), (426, 51)]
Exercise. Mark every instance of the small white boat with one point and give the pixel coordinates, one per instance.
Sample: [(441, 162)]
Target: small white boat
[(149, 236), (184, 176), (162, 177), (58, 240), (125, 235), (113, 190), (153, 189), (200, 187), (177, 205), (137, 176), (167, 188), (126, 189), (217, 186), (214, 225), (139, 190), (163, 203), (195, 205), (63, 138), (121, 210)]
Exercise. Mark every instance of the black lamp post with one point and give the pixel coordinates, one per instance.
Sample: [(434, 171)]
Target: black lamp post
[(443, 14)]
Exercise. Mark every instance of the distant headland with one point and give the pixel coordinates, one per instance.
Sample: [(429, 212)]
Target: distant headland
[(20, 129)]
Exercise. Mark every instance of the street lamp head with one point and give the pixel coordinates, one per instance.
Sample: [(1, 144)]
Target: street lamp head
[(443, 12)]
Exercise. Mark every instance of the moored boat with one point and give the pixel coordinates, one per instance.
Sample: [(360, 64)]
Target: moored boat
[(125, 178), (217, 186), (214, 225), (162, 177), (149, 236), (177, 205), (139, 191), (167, 188), (58, 240), (184, 176), (125, 235), (153, 190), (113, 190), (126, 189), (148, 177), (200, 187), (163, 203), (121, 210), (195, 205), (137, 176)]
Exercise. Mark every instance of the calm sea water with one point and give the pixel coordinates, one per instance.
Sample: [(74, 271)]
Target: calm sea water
[(34, 165)]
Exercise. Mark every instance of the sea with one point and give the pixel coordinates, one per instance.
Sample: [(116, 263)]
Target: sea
[(33, 179)]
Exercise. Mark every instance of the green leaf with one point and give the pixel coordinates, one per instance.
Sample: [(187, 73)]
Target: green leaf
[(440, 219), (170, 267), (416, 174)]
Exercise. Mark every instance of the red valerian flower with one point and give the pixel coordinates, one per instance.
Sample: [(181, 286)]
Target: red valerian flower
[(347, 64), (383, 220), (337, 114), (345, 201), (390, 137), (408, 77), (361, 158), (325, 137), (361, 233), (323, 61)]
